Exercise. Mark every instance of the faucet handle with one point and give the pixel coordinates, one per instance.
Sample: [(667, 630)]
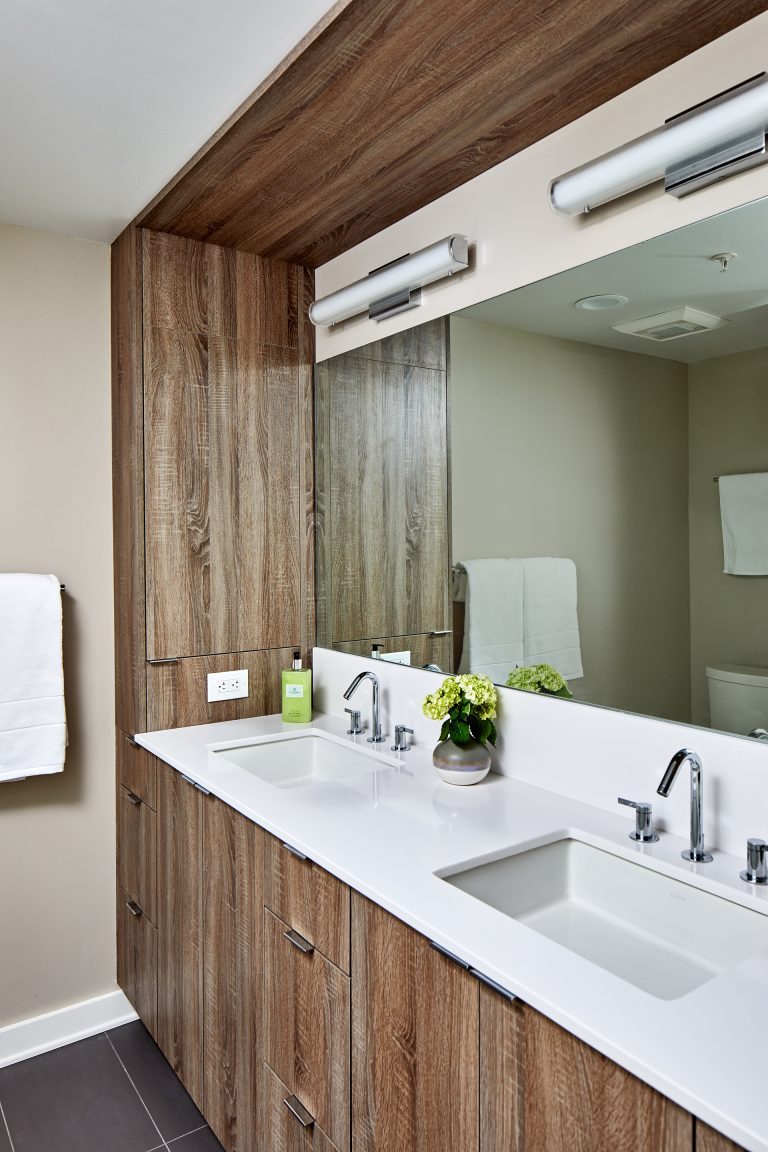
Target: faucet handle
[(401, 738), (643, 832), (355, 722), (756, 871)]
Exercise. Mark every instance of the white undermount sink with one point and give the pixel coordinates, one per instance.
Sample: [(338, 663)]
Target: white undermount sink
[(658, 933), (298, 759)]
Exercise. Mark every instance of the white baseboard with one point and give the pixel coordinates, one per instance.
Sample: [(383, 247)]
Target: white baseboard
[(64, 1026)]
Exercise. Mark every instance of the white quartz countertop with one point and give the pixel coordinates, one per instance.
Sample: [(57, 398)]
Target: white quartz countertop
[(388, 833)]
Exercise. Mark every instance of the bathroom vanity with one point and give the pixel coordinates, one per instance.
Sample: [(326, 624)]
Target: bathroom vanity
[(325, 970)]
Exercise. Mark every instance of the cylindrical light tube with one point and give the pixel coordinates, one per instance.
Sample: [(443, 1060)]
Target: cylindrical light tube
[(414, 271), (646, 159)]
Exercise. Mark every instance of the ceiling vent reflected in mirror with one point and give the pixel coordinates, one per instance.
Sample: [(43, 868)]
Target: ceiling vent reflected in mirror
[(671, 325)]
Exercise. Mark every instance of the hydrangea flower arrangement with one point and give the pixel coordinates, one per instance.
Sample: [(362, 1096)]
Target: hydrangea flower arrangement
[(541, 678), (467, 707)]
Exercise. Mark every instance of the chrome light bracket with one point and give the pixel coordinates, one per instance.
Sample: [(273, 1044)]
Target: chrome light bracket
[(399, 302), (738, 155)]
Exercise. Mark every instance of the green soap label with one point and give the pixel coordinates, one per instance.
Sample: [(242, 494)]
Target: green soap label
[(296, 691)]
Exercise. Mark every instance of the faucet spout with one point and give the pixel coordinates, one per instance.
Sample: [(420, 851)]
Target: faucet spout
[(376, 736), (696, 852)]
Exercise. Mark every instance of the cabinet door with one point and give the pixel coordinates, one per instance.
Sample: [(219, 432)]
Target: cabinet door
[(707, 1140), (137, 959), (309, 899), (136, 850), (414, 1041), (307, 1027), (232, 970), (288, 1127), (179, 909), (542, 1088)]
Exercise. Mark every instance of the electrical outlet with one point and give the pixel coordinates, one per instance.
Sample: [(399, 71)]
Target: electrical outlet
[(227, 685)]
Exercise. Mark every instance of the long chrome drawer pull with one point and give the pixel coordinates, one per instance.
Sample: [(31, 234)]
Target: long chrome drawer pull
[(448, 955), (164, 660), (133, 908), (299, 942), (306, 1119), (134, 799), (194, 784), (294, 852), (441, 632), (492, 984)]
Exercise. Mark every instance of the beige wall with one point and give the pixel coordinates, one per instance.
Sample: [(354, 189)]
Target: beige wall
[(565, 449), (728, 433), (505, 212), (57, 832)]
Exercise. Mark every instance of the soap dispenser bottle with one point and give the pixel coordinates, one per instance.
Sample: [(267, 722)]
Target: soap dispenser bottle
[(297, 692)]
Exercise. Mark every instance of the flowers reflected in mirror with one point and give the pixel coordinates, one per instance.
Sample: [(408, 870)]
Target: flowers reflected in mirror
[(541, 678)]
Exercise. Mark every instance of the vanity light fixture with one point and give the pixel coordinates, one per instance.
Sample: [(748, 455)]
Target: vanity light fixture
[(394, 287), (704, 144)]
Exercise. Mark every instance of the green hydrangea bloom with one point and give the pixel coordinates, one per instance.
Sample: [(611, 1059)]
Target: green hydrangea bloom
[(439, 704), (539, 678)]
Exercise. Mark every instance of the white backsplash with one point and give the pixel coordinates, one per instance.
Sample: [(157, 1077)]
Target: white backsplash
[(588, 753)]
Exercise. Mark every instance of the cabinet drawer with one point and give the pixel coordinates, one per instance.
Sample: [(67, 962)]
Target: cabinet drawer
[(137, 851), (309, 899), (307, 1027), (284, 1130), (136, 769), (137, 959)]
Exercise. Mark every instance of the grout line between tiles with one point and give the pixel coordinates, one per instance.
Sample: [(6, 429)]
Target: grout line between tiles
[(162, 1144), (7, 1129), (190, 1133)]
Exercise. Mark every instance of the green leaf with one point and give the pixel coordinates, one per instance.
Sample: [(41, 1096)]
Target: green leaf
[(445, 731), (460, 732), (491, 737)]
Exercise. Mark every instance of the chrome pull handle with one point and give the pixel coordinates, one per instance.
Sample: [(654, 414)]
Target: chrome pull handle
[(756, 871), (441, 632), (132, 742), (299, 942), (355, 722), (134, 799), (643, 832), (401, 738), (306, 1119), (294, 851), (133, 908)]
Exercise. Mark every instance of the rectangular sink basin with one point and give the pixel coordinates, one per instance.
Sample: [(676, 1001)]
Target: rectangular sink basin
[(660, 934), (298, 759)]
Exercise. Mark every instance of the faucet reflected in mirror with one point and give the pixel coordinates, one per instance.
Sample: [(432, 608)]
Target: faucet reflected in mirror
[(526, 427)]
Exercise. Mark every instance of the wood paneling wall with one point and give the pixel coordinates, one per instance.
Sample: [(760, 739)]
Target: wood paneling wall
[(388, 106), (213, 475), (382, 435)]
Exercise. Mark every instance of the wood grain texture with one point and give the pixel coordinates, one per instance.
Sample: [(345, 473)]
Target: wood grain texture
[(382, 499), (309, 899), (393, 105), (137, 961), (179, 962), (425, 649), (177, 693), (307, 1029), (707, 1140), (136, 769), (137, 851), (502, 1073), (577, 1099), (415, 1044), (128, 483), (232, 985), (282, 1131), (224, 411)]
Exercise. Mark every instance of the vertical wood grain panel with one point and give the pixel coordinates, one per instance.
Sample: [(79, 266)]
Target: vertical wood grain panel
[(137, 851), (179, 962), (577, 1099), (128, 482), (415, 1041), (282, 1131), (137, 961), (307, 1029), (309, 899), (502, 1073), (177, 693), (232, 966), (707, 1140), (136, 769)]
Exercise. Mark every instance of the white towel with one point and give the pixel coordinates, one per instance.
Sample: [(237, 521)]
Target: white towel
[(33, 731), (551, 626), (744, 513), (493, 620)]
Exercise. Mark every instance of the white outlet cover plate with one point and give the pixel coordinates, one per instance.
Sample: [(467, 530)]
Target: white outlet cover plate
[(227, 685)]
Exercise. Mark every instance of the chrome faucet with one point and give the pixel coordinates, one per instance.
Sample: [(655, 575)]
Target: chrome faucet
[(696, 851), (376, 736)]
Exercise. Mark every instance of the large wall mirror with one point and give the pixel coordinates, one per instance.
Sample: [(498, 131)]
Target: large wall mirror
[(525, 481)]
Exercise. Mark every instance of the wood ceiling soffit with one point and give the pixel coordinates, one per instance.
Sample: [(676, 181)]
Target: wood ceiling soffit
[(393, 104)]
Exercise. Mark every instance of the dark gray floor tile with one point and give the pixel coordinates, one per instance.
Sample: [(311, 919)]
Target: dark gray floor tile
[(202, 1141), (169, 1104), (4, 1142), (76, 1097)]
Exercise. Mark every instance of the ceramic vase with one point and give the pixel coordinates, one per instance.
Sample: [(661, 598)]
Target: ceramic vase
[(461, 763)]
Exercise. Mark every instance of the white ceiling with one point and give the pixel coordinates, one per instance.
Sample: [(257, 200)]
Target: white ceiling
[(104, 100), (657, 276)]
